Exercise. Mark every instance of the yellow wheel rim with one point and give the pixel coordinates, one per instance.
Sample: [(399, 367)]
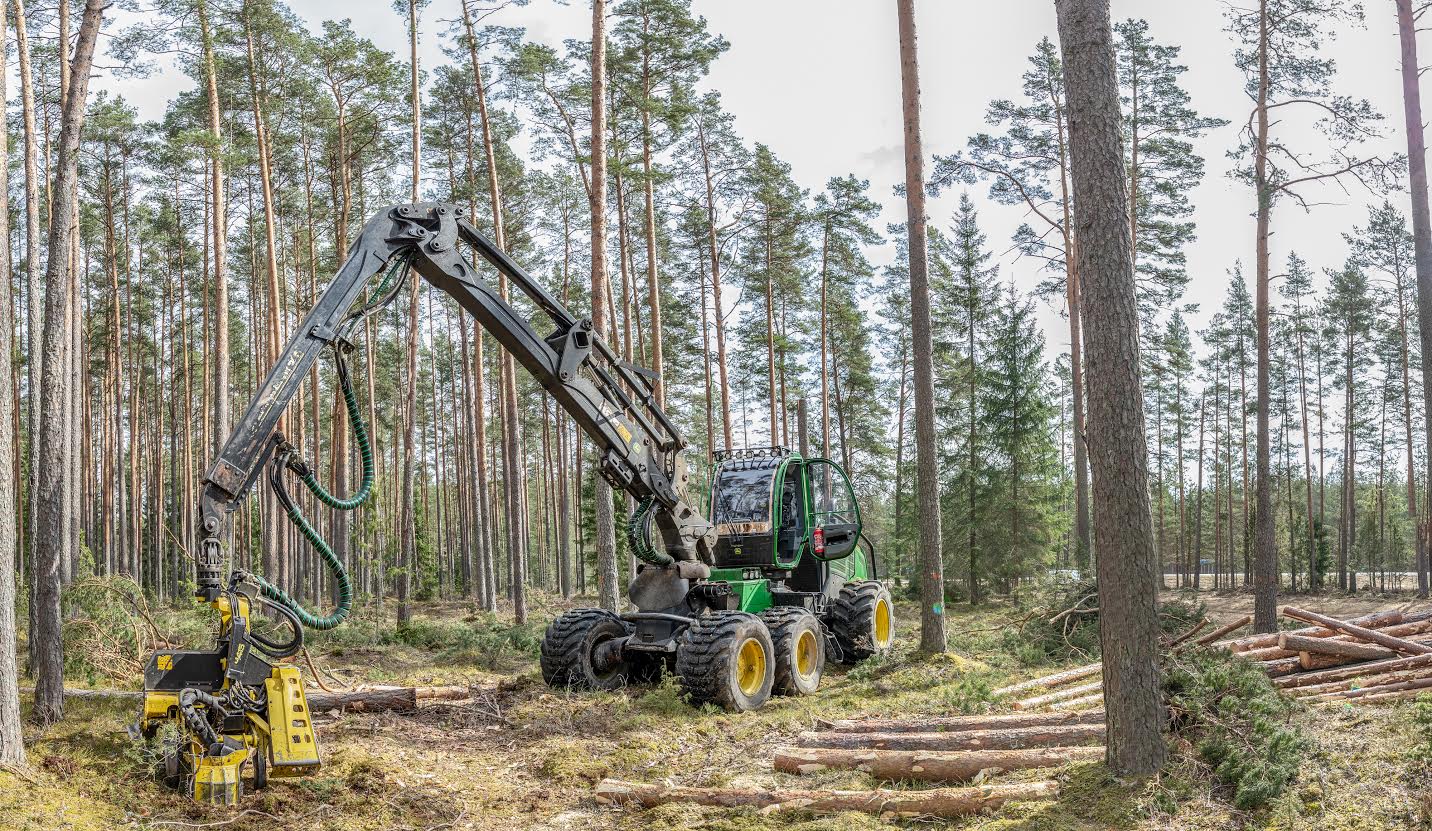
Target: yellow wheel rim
[(807, 654), (750, 666), (883, 623)]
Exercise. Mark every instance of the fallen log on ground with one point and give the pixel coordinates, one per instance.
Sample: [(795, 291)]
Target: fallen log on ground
[(1016, 738), (370, 700), (1412, 631), (1344, 673), (1226, 629), (936, 802), (1373, 620), (1082, 701), (1053, 680), (935, 724), (1197, 627), (1361, 683), (1373, 693), (1079, 691), (1362, 633), (1308, 661), (1382, 697), (1330, 646), (928, 766)]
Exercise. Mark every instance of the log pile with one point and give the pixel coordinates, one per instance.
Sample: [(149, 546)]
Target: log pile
[(1383, 656)]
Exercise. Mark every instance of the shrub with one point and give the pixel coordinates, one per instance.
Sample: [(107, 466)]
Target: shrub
[(1063, 623), (1238, 723)]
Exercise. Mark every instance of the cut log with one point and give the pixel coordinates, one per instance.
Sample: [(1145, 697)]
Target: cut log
[(1082, 701), (1362, 633), (372, 700), (928, 766), (1079, 691), (1015, 738), (1046, 681), (1373, 692), (957, 723), (1357, 670), (1226, 629), (1330, 646), (1382, 697), (936, 802), (1373, 621), (1361, 683), (1312, 660), (1197, 627)]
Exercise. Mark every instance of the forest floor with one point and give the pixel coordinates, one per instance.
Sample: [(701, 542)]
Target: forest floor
[(521, 756)]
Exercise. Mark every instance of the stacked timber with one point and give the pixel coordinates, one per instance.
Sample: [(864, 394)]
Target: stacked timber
[(1383, 656)]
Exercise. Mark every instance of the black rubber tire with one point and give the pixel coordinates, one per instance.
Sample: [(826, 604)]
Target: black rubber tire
[(568, 650), (707, 665), (259, 759), (787, 625), (852, 619)]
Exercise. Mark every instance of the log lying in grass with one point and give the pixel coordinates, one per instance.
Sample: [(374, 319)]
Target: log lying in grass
[(1015, 738), (1374, 693), (928, 766), (937, 802), (1344, 673), (1079, 691), (1306, 661), (1361, 633), (1361, 683), (1380, 697), (401, 699), (935, 724), (1082, 701), (1047, 681), (1197, 627), (1224, 630), (1375, 620), (1331, 646)]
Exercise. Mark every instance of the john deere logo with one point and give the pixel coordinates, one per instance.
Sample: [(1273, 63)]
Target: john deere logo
[(165, 662), (735, 551)]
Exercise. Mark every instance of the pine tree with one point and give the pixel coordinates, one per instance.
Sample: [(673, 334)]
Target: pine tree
[(1350, 315)]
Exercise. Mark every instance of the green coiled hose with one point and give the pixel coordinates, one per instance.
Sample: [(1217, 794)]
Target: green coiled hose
[(335, 567), (365, 449)]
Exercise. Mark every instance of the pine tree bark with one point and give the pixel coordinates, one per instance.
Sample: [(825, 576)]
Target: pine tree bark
[(34, 287), (1421, 241), (932, 569), (53, 508), (407, 543), (1126, 566), (605, 514), (12, 740), (1265, 554)]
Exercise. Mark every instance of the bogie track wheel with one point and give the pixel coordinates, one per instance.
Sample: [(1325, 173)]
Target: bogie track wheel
[(863, 620), (582, 650), (800, 649), (727, 659)]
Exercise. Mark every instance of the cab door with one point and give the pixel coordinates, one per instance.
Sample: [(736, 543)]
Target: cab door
[(835, 516)]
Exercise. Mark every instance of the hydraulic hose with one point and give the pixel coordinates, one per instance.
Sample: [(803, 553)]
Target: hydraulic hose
[(325, 551), (360, 435), (639, 535)]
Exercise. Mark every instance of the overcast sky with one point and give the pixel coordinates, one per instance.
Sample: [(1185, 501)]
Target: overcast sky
[(818, 81)]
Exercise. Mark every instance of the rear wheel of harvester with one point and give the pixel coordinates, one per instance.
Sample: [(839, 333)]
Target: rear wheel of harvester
[(581, 650), (800, 649), (727, 659), (863, 620)]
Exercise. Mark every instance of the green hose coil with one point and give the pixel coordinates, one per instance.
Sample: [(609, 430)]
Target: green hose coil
[(639, 535), (340, 575), (365, 449)]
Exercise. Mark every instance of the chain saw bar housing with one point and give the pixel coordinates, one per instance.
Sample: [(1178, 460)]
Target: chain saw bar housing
[(640, 450)]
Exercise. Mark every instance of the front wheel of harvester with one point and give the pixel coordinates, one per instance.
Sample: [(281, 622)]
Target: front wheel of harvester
[(863, 620), (727, 659), (800, 649), (579, 651)]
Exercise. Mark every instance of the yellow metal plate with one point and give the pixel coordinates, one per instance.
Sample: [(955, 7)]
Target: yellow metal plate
[(292, 743)]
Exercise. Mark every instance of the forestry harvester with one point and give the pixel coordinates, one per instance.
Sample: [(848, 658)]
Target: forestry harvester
[(746, 600)]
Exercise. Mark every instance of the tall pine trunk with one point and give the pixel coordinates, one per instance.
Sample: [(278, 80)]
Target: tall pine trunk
[(1126, 564), (605, 514), (932, 570), (1421, 240)]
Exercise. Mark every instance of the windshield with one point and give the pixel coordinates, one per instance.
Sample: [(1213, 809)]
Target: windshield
[(743, 501)]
